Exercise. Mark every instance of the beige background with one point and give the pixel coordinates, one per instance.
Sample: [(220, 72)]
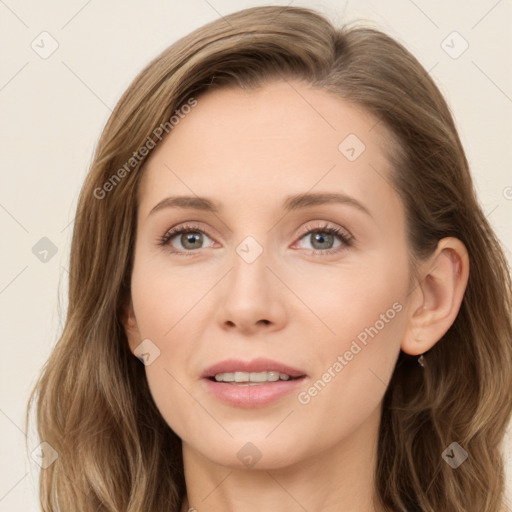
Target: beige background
[(53, 109)]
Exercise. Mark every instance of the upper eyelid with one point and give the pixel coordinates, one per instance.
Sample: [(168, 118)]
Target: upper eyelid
[(327, 226)]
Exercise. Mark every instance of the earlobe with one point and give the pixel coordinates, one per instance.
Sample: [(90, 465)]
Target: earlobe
[(130, 326), (437, 298)]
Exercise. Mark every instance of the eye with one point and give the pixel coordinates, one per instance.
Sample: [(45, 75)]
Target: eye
[(324, 239), (186, 238), (327, 239)]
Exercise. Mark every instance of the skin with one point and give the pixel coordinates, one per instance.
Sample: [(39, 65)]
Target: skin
[(248, 150)]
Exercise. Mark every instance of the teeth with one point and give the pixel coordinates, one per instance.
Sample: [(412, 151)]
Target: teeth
[(256, 377)]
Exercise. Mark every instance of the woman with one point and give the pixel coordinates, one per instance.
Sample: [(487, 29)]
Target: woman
[(283, 292)]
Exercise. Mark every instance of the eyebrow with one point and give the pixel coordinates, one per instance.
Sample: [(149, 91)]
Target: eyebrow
[(291, 203)]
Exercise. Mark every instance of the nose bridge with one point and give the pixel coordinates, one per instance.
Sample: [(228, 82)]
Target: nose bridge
[(250, 299), (251, 249), (250, 262)]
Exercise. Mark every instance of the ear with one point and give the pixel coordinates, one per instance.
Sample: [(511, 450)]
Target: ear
[(130, 325), (436, 298)]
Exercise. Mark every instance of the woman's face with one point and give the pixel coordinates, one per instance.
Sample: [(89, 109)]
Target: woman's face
[(261, 274)]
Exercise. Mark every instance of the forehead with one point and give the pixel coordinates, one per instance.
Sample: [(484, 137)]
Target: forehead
[(279, 139)]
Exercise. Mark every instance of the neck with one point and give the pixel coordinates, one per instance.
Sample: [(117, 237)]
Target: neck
[(341, 478)]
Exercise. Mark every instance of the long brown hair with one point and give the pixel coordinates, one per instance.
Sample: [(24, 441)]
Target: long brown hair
[(115, 451)]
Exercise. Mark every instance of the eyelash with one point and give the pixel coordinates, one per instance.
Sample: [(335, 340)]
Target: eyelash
[(346, 239)]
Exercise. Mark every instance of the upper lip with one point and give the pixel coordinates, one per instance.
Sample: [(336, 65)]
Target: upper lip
[(255, 365)]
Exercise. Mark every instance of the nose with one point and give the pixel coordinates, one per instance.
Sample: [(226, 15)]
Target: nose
[(251, 298)]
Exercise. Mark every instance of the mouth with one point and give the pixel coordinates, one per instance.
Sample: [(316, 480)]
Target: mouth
[(253, 383), (255, 371)]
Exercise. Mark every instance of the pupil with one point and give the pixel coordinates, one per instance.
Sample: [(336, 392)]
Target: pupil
[(322, 238), (188, 240)]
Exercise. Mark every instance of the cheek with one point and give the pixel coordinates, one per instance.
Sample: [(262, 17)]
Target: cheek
[(359, 301), (163, 297), (354, 370), (167, 307), (363, 312)]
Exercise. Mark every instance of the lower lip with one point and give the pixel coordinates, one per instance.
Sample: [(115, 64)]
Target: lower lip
[(252, 396)]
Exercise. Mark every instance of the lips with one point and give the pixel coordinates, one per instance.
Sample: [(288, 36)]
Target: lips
[(252, 394), (255, 365)]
